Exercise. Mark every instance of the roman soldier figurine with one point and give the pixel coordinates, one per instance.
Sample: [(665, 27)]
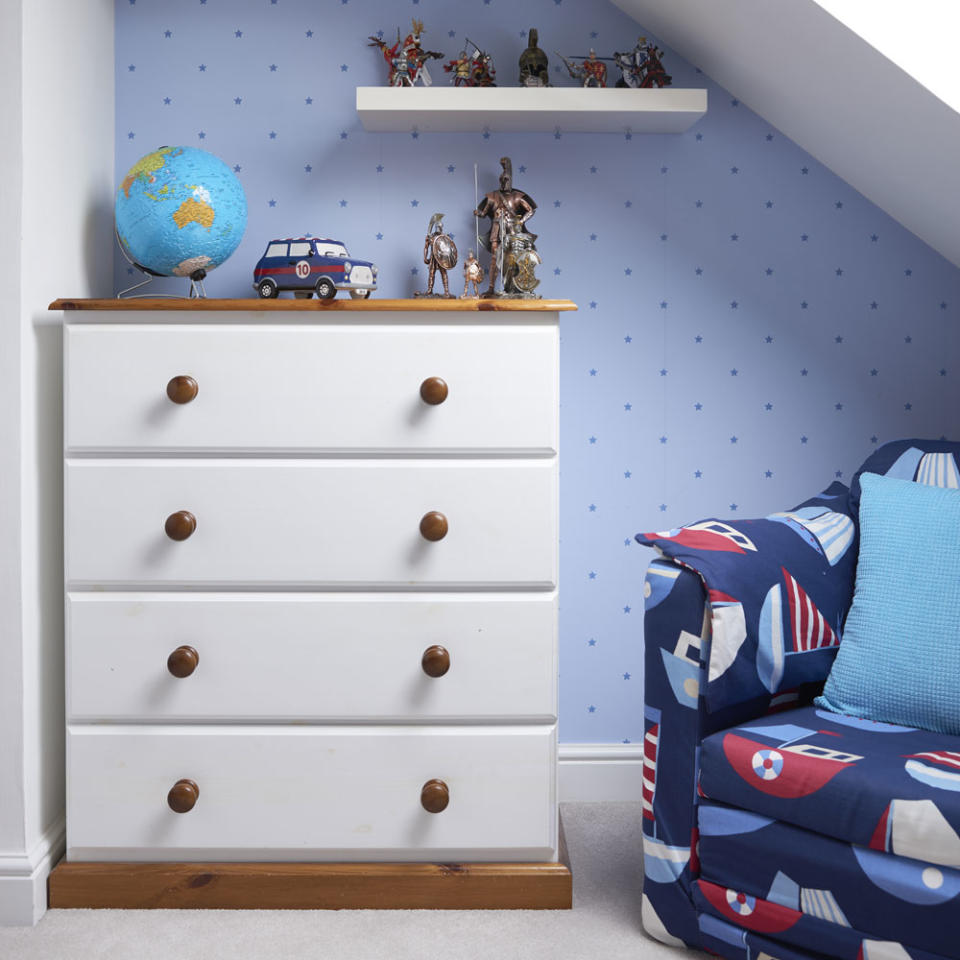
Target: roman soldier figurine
[(472, 273), (513, 255), (439, 253), (534, 65)]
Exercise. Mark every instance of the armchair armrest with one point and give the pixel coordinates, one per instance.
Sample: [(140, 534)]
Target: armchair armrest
[(741, 618)]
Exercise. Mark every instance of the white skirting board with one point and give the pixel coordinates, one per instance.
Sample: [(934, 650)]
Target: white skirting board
[(600, 772), (23, 878)]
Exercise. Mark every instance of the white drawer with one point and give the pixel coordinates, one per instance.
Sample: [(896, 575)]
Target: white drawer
[(353, 657), (312, 523), (329, 388), (311, 794)]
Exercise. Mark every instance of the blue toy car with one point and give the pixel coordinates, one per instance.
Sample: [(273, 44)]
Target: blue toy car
[(308, 265)]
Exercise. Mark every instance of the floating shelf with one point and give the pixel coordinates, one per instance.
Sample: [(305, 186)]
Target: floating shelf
[(529, 109)]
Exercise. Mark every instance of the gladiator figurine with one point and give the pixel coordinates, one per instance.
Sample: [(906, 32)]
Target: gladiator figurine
[(472, 273), (439, 253), (512, 252), (534, 67)]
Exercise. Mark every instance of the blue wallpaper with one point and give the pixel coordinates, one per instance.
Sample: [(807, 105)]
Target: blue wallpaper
[(750, 327)]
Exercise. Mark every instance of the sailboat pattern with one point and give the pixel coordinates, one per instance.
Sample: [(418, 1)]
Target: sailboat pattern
[(774, 627), (774, 829)]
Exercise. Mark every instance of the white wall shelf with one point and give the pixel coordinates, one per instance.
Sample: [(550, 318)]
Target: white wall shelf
[(520, 109)]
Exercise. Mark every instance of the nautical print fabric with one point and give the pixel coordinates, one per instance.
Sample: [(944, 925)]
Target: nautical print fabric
[(874, 829), (820, 893), (931, 462), (778, 590), (878, 785), (900, 660)]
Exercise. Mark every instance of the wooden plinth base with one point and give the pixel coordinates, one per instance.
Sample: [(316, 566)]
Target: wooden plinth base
[(315, 886)]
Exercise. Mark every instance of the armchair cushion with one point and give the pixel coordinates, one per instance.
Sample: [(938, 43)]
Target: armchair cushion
[(900, 659), (877, 785), (778, 589), (931, 462)]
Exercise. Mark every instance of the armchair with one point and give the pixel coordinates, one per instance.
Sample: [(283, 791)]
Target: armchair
[(773, 826)]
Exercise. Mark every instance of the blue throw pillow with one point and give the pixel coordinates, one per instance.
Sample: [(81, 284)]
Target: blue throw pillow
[(899, 661)]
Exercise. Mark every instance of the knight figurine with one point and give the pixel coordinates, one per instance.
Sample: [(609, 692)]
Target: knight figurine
[(513, 256), (439, 253)]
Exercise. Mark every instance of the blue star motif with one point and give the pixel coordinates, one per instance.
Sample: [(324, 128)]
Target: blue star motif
[(626, 609), (592, 575), (908, 406), (663, 304), (450, 168), (873, 304), (663, 237), (873, 440), (804, 237), (628, 407), (663, 371), (168, 33), (379, 236), (593, 236), (627, 475), (839, 204), (592, 439), (593, 373), (733, 507), (734, 169), (238, 100), (734, 304), (769, 271), (698, 271), (698, 474), (591, 642), (838, 406), (309, 34), (874, 372), (768, 406), (734, 372), (628, 271), (238, 33), (803, 372), (590, 709), (839, 272), (769, 137), (343, 203), (803, 439), (698, 204), (556, 271), (628, 203), (273, 68), (414, 203), (593, 304), (804, 170), (943, 372), (734, 237), (838, 339), (131, 135), (663, 439), (733, 439), (626, 676), (664, 169), (873, 238), (768, 474), (556, 203), (272, 203), (593, 169), (698, 406), (272, 135), (663, 508), (908, 339), (132, 68), (308, 168), (628, 339), (768, 204), (379, 168), (698, 339), (804, 304), (344, 67), (202, 68), (768, 339), (202, 135), (592, 508), (522, 168)]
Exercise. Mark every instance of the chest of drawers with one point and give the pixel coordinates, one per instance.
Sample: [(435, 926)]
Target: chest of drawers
[(311, 570)]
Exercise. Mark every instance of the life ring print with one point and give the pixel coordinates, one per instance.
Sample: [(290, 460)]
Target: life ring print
[(767, 764), (741, 903)]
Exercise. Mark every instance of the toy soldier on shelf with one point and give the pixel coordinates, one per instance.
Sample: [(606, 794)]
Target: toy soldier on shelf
[(534, 66), (642, 67), (472, 70), (513, 256), (472, 273), (439, 253), (406, 58), (591, 73)]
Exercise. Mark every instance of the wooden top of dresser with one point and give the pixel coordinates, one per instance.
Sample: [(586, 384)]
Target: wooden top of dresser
[(419, 305)]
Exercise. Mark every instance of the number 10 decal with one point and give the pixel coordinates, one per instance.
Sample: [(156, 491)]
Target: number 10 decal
[(303, 269)]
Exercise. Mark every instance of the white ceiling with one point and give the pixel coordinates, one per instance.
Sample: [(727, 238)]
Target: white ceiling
[(835, 94)]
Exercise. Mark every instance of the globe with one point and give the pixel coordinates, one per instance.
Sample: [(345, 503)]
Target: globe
[(180, 212)]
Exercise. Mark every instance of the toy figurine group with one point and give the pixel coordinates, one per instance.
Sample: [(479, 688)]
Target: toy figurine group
[(407, 62), (513, 256)]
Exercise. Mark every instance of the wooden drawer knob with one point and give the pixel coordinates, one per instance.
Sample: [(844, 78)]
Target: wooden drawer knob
[(180, 525), (183, 661), (435, 661), (434, 796), (433, 526), (433, 390), (182, 389), (182, 796)]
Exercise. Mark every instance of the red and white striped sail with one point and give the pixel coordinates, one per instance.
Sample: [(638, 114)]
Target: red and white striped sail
[(651, 741), (809, 627)]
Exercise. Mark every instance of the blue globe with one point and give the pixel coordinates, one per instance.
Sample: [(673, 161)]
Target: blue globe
[(180, 210)]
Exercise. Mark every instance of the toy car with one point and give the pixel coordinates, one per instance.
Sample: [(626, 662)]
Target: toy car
[(308, 265)]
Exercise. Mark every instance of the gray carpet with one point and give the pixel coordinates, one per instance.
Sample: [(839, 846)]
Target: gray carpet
[(605, 852)]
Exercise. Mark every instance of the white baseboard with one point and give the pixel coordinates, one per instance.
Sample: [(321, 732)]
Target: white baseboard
[(600, 772), (23, 878)]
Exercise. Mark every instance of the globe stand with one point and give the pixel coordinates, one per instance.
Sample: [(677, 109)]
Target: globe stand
[(197, 290)]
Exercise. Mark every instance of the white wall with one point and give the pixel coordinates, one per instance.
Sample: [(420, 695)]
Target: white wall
[(60, 55)]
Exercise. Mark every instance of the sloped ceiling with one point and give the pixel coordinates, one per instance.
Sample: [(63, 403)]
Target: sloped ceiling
[(832, 93)]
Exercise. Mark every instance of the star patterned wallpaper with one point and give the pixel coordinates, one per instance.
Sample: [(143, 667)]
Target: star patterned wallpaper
[(750, 327)]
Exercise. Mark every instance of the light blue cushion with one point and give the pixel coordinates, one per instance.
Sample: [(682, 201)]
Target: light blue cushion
[(899, 659)]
